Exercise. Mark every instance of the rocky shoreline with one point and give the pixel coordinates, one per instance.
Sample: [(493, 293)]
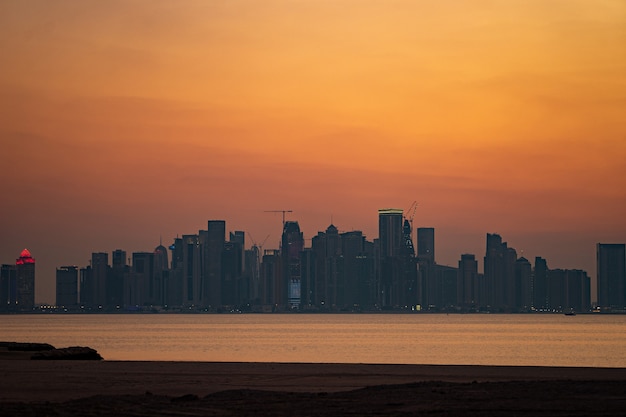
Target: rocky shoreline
[(45, 351)]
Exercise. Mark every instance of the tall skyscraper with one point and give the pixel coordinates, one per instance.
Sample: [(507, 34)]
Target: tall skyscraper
[(426, 245), (8, 287), (99, 277), (174, 286), (397, 266), (467, 282), (292, 244), (540, 284), (231, 275), (191, 269), (115, 283), (611, 275), (523, 298), (426, 261), (499, 273), (67, 286), (390, 232), (140, 288), (212, 278), (25, 266)]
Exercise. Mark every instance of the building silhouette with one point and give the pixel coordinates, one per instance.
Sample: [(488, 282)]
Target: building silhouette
[(67, 286), (100, 273), (540, 284), (292, 245), (213, 246), (427, 280), (522, 290), (8, 287), (25, 280), (499, 267), (467, 285), (391, 258), (340, 271), (115, 283), (611, 275)]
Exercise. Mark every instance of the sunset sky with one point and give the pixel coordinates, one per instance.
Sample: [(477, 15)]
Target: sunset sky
[(123, 121)]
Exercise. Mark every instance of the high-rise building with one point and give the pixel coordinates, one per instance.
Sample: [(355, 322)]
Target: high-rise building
[(139, 289), (67, 286), (252, 273), (212, 278), (292, 244), (391, 262), (85, 289), (174, 287), (232, 291), (611, 278), (540, 284), (467, 282), (426, 245), (115, 283), (568, 289), (191, 270), (499, 273), (99, 277), (160, 276), (426, 263), (8, 287), (270, 277), (523, 298), (239, 237), (25, 266)]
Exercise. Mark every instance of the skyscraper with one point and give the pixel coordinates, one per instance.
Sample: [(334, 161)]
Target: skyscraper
[(540, 284), (190, 269), (25, 266), (99, 277), (426, 263), (8, 287), (426, 245), (611, 275), (467, 282), (67, 286), (212, 277), (291, 247), (115, 283), (392, 251), (499, 272)]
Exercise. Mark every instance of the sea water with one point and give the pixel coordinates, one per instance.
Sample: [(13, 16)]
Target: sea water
[(591, 340)]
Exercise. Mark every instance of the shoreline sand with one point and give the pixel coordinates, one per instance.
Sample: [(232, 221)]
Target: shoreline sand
[(150, 388), (67, 388)]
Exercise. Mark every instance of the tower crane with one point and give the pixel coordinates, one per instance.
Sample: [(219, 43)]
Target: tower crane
[(411, 212), (280, 211)]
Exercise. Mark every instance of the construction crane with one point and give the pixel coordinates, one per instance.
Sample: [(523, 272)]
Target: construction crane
[(255, 244), (280, 211), (411, 212)]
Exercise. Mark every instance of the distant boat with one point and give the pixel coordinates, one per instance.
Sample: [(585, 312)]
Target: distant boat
[(570, 313)]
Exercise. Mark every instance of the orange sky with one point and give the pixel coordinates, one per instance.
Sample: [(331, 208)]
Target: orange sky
[(122, 121)]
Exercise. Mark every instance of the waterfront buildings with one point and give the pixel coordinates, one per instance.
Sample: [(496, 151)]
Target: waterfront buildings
[(611, 275), (67, 286), (17, 284), (340, 271)]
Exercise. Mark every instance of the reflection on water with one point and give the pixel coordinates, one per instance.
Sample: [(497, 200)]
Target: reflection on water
[(542, 340)]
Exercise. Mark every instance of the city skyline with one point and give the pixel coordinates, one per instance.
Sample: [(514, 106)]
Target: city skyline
[(422, 238), (121, 123)]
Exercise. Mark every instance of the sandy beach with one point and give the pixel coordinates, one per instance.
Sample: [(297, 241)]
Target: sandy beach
[(29, 387)]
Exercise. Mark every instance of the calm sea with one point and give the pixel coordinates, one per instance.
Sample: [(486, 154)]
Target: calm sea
[(478, 339)]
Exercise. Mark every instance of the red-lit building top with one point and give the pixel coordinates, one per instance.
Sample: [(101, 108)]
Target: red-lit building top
[(25, 258)]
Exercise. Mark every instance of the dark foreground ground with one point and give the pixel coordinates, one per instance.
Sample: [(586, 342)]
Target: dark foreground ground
[(103, 388)]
